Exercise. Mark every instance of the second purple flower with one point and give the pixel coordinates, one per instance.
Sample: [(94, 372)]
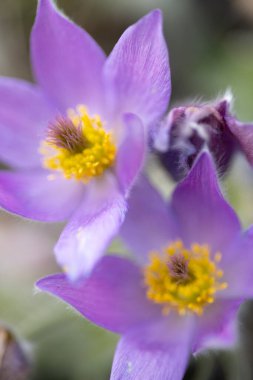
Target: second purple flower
[(192, 270)]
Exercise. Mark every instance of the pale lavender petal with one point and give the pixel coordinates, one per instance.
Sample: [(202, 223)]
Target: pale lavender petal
[(226, 338), (150, 353), (66, 60), (24, 115), (203, 214), (243, 133), (131, 154), (32, 195), (214, 324), (91, 228), (137, 72), (112, 296), (237, 265), (149, 224)]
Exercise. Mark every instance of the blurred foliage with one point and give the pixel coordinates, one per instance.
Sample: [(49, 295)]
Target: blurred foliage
[(211, 49)]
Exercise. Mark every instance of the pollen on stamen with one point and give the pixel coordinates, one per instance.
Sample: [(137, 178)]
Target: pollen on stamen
[(78, 146), (181, 279)]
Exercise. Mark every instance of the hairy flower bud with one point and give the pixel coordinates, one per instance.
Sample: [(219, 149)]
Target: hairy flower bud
[(187, 130)]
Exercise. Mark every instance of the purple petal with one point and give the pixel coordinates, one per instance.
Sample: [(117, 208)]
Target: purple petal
[(214, 324), (112, 296), (237, 265), (32, 195), (91, 228), (24, 114), (137, 71), (131, 153), (149, 225), (66, 60), (204, 215), (244, 135), (149, 353)]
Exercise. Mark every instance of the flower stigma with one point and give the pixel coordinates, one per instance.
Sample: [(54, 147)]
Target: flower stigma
[(78, 146), (184, 280)]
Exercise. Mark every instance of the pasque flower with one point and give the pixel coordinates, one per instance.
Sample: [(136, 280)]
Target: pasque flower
[(187, 129), (77, 140), (193, 268)]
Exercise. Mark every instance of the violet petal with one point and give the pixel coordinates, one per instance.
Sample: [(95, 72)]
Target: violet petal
[(112, 296), (137, 71), (203, 214), (67, 62), (150, 353), (90, 229), (131, 153), (32, 194), (24, 114), (150, 224)]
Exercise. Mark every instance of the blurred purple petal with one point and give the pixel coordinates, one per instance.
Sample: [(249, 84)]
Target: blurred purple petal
[(131, 153), (149, 223), (203, 214), (66, 60), (32, 195), (91, 228), (150, 353), (24, 114), (111, 297), (137, 71), (238, 265), (244, 134), (213, 325)]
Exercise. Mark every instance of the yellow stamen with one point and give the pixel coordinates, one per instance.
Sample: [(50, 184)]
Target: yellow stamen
[(184, 280), (78, 146)]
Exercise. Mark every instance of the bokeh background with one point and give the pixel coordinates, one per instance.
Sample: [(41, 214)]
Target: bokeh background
[(211, 49)]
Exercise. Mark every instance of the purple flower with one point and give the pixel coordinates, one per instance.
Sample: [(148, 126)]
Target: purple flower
[(188, 129), (77, 141), (193, 269)]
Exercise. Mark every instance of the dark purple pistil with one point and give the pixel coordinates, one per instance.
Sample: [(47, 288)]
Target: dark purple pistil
[(64, 134), (178, 269)]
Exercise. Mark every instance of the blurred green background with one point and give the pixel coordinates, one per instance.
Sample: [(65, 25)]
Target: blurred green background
[(211, 49)]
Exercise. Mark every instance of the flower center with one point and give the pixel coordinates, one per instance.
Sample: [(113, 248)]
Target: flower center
[(183, 280), (78, 146)]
